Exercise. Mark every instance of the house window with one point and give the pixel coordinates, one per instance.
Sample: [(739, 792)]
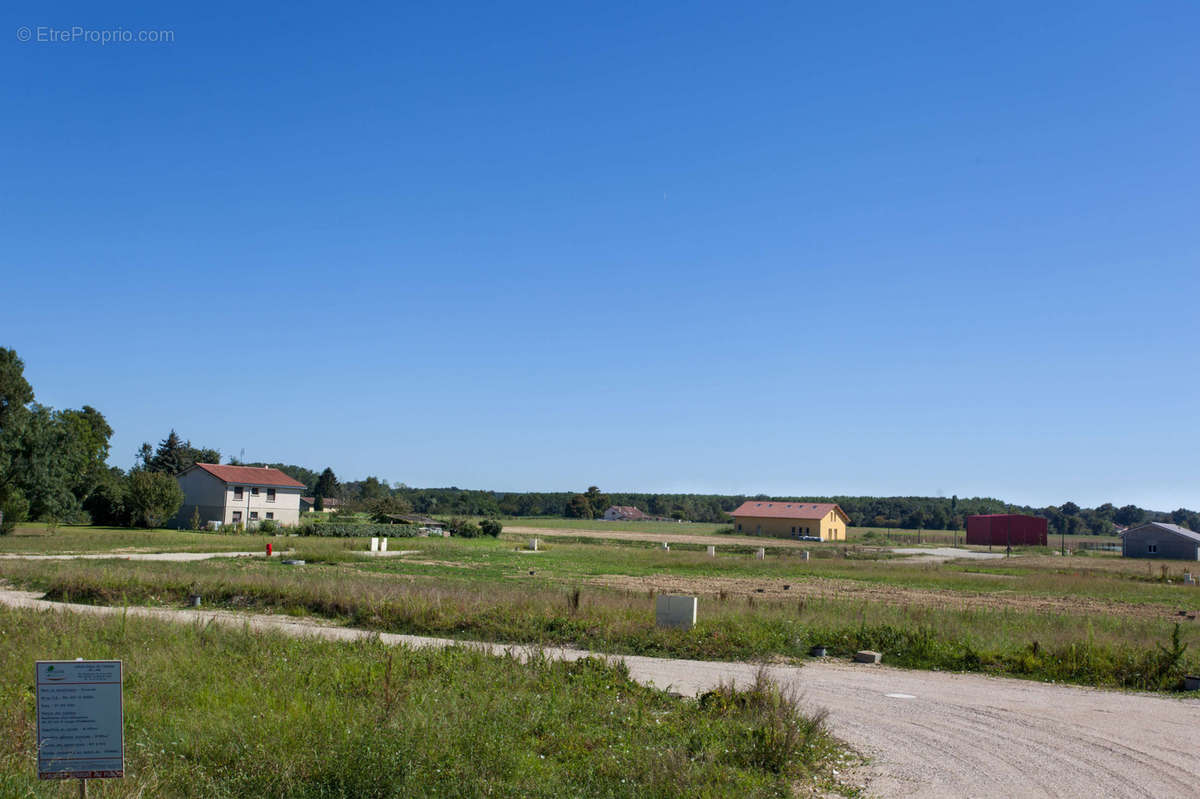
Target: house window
[(253, 515), (270, 495), (1152, 548), (270, 515), (254, 491), (739, 527), (237, 517), (237, 492)]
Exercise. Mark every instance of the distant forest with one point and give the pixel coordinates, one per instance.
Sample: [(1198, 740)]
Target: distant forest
[(53, 468), (929, 513)]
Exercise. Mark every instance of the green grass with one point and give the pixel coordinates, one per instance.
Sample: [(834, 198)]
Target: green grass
[(1094, 620), (40, 539), (224, 714)]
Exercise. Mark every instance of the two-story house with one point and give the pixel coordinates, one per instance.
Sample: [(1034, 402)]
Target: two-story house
[(238, 495)]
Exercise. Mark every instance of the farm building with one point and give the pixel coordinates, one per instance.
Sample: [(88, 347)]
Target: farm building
[(823, 520), (328, 504), (1160, 540), (624, 513), (1006, 529)]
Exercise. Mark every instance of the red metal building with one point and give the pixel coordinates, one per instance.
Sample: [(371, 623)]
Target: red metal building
[(1004, 529)]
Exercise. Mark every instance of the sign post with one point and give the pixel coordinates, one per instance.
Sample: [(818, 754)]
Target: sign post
[(80, 720)]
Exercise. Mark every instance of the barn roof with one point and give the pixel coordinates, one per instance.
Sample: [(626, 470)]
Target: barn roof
[(772, 509), (1170, 528)]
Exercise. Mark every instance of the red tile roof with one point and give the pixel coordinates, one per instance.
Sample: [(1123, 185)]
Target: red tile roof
[(772, 509), (250, 475)]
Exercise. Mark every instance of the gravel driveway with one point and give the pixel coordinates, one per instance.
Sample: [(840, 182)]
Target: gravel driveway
[(928, 734)]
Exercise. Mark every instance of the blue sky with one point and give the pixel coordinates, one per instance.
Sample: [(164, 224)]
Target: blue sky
[(793, 248)]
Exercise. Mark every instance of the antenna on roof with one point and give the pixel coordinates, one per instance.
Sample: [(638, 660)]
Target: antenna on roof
[(242, 456)]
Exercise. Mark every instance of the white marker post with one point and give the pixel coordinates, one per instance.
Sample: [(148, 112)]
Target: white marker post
[(80, 720), (374, 544), (383, 545)]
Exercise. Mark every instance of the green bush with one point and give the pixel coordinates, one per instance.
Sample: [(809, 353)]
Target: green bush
[(268, 526), (491, 527)]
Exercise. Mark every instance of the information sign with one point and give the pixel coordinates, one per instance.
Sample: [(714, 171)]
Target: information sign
[(79, 720)]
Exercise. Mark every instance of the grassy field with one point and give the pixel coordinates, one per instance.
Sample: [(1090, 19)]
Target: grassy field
[(1094, 620), (225, 714)]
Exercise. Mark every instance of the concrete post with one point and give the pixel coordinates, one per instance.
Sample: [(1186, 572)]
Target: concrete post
[(374, 544), (806, 555), (712, 551), (533, 545), (675, 611), (383, 545), (760, 554)]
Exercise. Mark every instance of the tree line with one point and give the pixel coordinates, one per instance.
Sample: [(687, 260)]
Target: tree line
[(53, 468)]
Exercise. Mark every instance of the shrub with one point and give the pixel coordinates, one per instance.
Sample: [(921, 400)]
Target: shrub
[(344, 530), (491, 527), (268, 526), (468, 530), (154, 497), (463, 528), (13, 507)]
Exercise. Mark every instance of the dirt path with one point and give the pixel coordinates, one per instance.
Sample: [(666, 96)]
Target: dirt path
[(930, 735), (164, 556), (671, 538)]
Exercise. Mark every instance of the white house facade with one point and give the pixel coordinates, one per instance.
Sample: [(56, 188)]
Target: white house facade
[(238, 495)]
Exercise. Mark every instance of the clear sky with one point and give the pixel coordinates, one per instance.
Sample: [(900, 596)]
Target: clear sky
[(789, 248)]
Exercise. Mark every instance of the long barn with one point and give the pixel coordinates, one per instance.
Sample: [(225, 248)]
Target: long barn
[(1160, 540), (1006, 529)]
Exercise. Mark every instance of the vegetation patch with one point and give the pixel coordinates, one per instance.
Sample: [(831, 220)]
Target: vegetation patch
[(212, 712)]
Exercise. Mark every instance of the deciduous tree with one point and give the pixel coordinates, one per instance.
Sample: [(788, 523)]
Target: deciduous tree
[(154, 497)]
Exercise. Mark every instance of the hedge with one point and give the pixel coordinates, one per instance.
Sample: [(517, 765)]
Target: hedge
[(343, 530)]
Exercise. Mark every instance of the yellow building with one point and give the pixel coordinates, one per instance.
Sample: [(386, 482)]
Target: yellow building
[(823, 520)]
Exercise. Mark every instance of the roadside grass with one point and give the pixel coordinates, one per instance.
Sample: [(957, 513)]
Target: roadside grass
[(213, 712), (463, 602)]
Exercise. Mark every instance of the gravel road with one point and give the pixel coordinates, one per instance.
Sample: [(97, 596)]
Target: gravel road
[(930, 735)]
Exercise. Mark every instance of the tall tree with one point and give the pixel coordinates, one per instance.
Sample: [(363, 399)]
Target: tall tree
[(327, 486), (1129, 515), (15, 396), (578, 507), (154, 497), (175, 455), (598, 501)]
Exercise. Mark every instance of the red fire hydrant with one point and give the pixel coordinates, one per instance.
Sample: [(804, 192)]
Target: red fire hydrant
[(268, 550)]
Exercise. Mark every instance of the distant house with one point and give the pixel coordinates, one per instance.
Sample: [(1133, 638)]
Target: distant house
[(823, 520), (238, 495), (624, 513), (330, 504), (1160, 540)]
